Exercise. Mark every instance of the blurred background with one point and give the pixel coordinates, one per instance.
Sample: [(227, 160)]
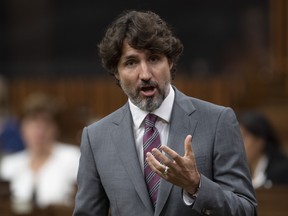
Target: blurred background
[(235, 54)]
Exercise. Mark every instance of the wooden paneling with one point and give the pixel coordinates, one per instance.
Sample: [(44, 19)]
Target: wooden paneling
[(84, 100), (279, 37), (81, 100)]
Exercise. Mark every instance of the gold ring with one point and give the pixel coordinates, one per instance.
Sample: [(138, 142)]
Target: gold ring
[(166, 170)]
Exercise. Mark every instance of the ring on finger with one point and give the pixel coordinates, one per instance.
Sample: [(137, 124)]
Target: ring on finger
[(166, 170)]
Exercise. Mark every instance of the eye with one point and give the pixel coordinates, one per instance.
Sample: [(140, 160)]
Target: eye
[(130, 63), (154, 58)]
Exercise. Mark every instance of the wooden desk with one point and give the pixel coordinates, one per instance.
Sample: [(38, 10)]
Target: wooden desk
[(6, 207), (272, 201)]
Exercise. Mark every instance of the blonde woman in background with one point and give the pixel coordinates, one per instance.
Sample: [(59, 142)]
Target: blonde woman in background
[(45, 173)]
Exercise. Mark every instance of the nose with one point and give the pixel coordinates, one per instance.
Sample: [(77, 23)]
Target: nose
[(145, 71)]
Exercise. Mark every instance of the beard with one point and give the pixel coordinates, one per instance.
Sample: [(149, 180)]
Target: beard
[(148, 104)]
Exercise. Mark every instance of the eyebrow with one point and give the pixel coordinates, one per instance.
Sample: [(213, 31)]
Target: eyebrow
[(128, 57)]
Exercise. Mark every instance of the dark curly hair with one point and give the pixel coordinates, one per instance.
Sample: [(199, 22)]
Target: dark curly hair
[(259, 126), (143, 30)]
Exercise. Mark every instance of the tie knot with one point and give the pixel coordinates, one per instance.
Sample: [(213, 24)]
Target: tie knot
[(150, 120)]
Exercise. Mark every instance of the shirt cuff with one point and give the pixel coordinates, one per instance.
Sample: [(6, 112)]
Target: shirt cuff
[(188, 198)]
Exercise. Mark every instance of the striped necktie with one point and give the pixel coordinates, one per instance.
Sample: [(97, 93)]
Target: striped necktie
[(151, 140)]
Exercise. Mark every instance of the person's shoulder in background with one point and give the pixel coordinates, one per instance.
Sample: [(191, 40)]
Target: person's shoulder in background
[(68, 156), (10, 137), (277, 169), (12, 163)]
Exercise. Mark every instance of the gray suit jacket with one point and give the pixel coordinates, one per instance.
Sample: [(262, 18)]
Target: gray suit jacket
[(110, 175)]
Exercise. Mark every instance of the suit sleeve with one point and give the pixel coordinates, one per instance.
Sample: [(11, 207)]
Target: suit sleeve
[(230, 192), (91, 198)]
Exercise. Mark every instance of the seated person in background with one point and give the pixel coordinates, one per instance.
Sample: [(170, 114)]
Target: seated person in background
[(268, 164), (10, 137), (45, 173)]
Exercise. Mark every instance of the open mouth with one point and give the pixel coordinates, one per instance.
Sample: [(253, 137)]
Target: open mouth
[(148, 91)]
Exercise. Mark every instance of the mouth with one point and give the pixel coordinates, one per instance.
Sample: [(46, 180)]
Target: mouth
[(148, 91)]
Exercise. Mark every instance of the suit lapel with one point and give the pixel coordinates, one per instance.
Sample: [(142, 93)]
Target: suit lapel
[(181, 124), (122, 136)]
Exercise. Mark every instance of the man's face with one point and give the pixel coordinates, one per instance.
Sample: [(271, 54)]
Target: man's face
[(144, 77)]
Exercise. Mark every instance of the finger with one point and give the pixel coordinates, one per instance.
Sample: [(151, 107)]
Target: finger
[(189, 153), (176, 157), (160, 156), (188, 146), (154, 164)]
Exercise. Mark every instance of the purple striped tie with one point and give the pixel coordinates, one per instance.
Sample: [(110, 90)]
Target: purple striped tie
[(151, 140)]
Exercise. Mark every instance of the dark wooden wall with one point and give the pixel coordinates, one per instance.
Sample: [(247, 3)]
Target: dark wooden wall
[(86, 100)]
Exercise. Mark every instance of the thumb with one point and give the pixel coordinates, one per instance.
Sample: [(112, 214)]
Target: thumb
[(188, 146)]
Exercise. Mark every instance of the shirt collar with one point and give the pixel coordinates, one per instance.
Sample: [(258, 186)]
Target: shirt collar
[(164, 111)]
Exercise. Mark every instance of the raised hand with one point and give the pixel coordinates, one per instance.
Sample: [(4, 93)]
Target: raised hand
[(181, 170)]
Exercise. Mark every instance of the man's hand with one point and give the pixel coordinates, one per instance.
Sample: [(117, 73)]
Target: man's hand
[(181, 171)]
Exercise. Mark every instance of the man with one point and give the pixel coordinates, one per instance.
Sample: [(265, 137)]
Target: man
[(206, 176)]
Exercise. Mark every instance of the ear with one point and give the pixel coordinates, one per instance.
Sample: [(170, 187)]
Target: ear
[(170, 65), (116, 75)]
